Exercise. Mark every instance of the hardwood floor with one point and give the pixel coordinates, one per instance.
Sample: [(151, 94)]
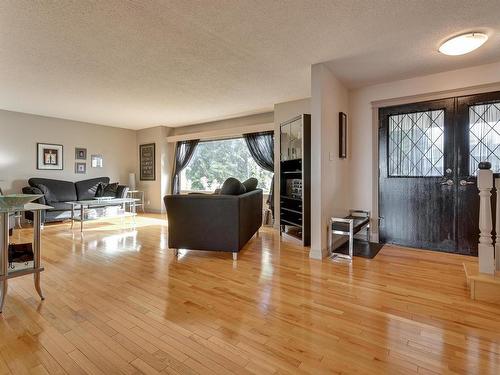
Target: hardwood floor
[(117, 301)]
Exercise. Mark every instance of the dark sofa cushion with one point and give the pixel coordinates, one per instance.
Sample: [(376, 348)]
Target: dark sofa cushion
[(55, 190), (232, 186), (87, 189), (250, 184)]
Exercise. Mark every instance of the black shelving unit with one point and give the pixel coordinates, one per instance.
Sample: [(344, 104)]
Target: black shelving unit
[(295, 178)]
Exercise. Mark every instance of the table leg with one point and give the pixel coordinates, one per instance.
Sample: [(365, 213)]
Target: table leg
[(330, 237), (4, 257), (37, 238), (18, 220), (142, 202), (81, 217), (133, 211), (72, 215), (351, 239)]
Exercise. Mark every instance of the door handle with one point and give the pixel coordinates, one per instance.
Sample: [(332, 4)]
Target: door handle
[(465, 183), (447, 182)]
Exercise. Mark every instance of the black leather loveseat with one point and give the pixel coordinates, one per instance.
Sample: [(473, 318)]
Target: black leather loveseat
[(57, 192), (213, 222)]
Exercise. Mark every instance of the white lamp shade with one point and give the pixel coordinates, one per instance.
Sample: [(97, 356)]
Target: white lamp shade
[(131, 181)]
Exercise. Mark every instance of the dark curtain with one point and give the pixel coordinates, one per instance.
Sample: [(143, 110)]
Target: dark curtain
[(183, 154), (261, 147)]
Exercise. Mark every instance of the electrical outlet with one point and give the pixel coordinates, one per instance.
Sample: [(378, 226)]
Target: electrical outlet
[(148, 203), (331, 156)]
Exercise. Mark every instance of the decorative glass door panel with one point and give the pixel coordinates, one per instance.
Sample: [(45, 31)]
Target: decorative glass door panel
[(415, 144), (484, 136)]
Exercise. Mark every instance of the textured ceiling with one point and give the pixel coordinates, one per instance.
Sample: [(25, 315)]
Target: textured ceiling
[(137, 64)]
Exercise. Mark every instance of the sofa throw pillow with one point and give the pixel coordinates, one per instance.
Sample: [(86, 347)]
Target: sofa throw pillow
[(110, 190), (106, 190), (232, 187), (250, 184)]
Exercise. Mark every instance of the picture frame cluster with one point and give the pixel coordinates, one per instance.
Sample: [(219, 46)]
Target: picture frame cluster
[(51, 157)]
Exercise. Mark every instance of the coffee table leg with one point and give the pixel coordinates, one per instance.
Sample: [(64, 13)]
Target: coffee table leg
[(37, 258), (81, 218), (4, 258), (134, 211), (72, 215)]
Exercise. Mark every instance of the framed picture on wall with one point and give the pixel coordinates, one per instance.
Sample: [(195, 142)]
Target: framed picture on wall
[(81, 168), (96, 161), (147, 162), (342, 135), (49, 156), (80, 153)]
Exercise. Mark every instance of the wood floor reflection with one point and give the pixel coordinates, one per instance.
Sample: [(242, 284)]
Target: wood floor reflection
[(117, 301)]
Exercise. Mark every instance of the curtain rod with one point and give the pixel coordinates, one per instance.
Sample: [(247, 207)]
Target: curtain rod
[(222, 133)]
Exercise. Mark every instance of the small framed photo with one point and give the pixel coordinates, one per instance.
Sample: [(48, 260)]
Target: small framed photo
[(81, 168), (80, 153), (96, 161), (49, 156), (342, 135)]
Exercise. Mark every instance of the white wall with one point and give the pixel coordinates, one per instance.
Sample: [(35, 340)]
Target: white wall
[(20, 132), (154, 191), (283, 112), (363, 103), (329, 174)]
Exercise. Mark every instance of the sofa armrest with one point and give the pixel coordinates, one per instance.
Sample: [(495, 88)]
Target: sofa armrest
[(203, 222), (121, 191), (251, 207), (34, 190), (28, 215)]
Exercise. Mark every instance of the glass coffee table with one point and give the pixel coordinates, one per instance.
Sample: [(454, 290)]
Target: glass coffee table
[(85, 205)]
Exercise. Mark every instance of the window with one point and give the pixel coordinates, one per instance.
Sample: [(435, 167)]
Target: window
[(214, 161), (416, 144)]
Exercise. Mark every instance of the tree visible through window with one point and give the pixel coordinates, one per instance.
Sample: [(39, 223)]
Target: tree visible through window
[(214, 161)]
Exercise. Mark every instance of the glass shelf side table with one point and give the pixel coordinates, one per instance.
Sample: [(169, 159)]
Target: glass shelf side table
[(137, 194), (33, 269)]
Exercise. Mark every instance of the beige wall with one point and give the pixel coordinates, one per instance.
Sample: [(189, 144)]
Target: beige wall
[(329, 174), (363, 179), (19, 133), (283, 112), (154, 191)]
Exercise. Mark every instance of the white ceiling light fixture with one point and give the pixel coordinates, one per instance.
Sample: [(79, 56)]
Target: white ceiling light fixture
[(462, 44)]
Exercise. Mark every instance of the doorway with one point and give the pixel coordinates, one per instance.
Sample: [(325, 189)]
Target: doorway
[(428, 158)]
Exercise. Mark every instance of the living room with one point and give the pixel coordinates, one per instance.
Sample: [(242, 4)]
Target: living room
[(250, 187)]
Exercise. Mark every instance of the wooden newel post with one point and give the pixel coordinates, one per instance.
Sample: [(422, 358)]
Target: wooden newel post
[(485, 247)]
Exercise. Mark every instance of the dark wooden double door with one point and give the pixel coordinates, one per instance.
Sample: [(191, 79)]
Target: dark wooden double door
[(428, 158)]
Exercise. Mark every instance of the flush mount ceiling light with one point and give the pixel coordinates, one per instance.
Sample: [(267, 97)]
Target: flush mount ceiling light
[(462, 44)]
